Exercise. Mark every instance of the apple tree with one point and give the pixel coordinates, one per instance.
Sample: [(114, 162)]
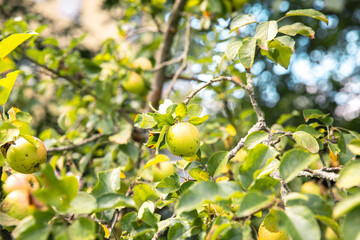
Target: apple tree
[(136, 147)]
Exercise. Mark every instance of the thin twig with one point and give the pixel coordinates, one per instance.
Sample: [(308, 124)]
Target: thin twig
[(184, 58), (74, 146), (250, 89)]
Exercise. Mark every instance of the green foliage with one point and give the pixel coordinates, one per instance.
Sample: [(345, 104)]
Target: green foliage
[(105, 144)]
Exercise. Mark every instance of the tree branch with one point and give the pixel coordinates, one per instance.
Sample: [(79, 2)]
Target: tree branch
[(74, 146), (320, 173), (184, 58), (164, 52)]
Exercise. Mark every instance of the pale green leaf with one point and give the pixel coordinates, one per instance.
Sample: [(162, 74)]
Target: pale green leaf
[(346, 205), (159, 158), (169, 184), (247, 52), (306, 141), (354, 146), (232, 48), (255, 138), (198, 120), (180, 111), (198, 174), (297, 28), (83, 203), (194, 110), (253, 202), (265, 32), (349, 175), (241, 20), (313, 114), (350, 228), (308, 13), (217, 162)]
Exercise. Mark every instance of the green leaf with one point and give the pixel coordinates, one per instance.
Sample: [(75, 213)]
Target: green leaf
[(217, 162), (354, 146), (315, 203), (164, 119), (297, 28), (198, 120), (198, 174), (265, 32), (300, 223), (7, 221), (331, 223), (232, 48), (143, 193), (253, 202), (6, 85), (308, 129), (180, 111), (108, 182), (57, 192), (31, 140), (8, 132), (346, 205), (241, 20), (294, 161), (161, 137), (205, 191), (23, 117), (349, 226), (256, 161), (176, 232), (313, 114), (255, 138), (83, 203), (145, 121), (8, 44), (169, 184), (82, 229), (306, 141), (349, 176), (247, 52), (113, 200), (159, 158), (308, 13), (194, 110)]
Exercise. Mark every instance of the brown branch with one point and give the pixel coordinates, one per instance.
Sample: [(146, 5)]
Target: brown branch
[(74, 146), (186, 78), (164, 52), (250, 89), (320, 173), (184, 58)]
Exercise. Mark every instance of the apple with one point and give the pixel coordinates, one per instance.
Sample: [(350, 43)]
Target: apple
[(24, 157), (162, 170), (16, 204), (142, 62), (134, 83), (183, 139), (311, 187), (20, 181)]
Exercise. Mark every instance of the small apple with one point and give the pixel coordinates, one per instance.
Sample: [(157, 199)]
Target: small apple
[(134, 83), (20, 181), (269, 230), (16, 204), (311, 187), (162, 170), (183, 139), (24, 157), (142, 62)]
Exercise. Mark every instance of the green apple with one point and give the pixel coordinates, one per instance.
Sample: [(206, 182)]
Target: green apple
[(24, 157), (134, 83), (162, 170), (183, 139), (16, 204), (20, 181), (311, 187)]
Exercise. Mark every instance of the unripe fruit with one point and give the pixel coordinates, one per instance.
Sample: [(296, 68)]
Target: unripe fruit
[(16, 204), (20, 181), (24, 157), (134, 84), (311, 187), (142, 62), (162, 170), (183, 139)]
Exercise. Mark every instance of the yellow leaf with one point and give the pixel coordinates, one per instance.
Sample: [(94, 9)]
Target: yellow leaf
[(10, 43), (106, 231), (222, 179), (230, 129), (122, 175), (6, 85), (12, 113)]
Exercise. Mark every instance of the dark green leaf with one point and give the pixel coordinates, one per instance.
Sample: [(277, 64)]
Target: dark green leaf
[(108, 182), (315, 203), (164, 119), (308, 129), (313, 114), (169, 184), (177, 231), (294, 161), (217, 162), (82, 229), (113, 200)]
